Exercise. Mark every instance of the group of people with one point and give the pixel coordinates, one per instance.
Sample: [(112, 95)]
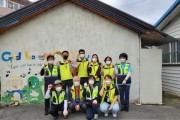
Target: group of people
[(87, 86)]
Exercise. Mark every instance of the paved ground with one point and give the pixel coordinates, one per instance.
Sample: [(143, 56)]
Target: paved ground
[(144, 112)]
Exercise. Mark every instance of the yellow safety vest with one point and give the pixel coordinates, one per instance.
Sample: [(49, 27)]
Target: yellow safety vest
[(48, 73), (108, 71), (73, 92), (65, 70), (82, 70), (57, 99), (94, 93), (111, 93), (94, 68), (125, 70)]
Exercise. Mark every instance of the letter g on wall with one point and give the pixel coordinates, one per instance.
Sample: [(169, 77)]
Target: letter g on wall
[(6, 56)]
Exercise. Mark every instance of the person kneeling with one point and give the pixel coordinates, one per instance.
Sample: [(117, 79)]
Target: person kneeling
[(109, 94), (76, 96), (92, 97), (58, 100)]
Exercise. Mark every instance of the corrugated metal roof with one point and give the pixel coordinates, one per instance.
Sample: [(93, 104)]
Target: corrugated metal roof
[(18, 17)]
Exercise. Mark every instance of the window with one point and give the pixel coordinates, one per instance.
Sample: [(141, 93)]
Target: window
[(171, 52), (10, 4), (13, 5), (1, 2)]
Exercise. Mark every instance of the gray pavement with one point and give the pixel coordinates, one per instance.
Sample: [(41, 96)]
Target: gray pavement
[(144, 112)]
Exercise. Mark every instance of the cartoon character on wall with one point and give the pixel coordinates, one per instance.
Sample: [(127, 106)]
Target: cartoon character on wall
[(15, 88), (33, 89)]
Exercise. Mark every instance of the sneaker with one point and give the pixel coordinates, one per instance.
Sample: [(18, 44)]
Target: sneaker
[(106, 114), (95, 116), (114, 115)]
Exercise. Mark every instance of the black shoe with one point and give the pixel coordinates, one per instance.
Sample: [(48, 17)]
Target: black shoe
[(126, 109), (55, 118), (123, 108), (46, 113)]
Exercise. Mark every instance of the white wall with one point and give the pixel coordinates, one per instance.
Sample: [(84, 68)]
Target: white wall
[(70, 27), (150, 77)]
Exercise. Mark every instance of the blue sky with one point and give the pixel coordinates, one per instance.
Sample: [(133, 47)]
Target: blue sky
[(147, 10)]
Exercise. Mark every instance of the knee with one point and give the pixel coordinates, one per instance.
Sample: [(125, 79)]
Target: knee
[(84, 107), (71, 106), (103, 108), (116, 107)]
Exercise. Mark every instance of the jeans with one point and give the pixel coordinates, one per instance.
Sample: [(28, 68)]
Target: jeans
[(91, 110), (104, 108), (124, 95)]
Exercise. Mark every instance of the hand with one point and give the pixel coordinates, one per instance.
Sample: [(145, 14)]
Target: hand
[(94, 102), (43, 65), (65, 112), (85, 85), (124, 82), (77, 107), (49, 87), (111, 107)]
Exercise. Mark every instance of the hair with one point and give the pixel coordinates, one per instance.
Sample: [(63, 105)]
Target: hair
[(107, 58), (97, 57), (91, 76), (108, 76), (50, 56), (81, 50), (124, 55), (76, 77), (65, 52)]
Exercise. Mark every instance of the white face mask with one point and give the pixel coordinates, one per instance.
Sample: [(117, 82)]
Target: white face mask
[(108, 62), (108, 82), (82, 55), (91, 82), (123, 60), (51, 62), (94, 60), (58, 89), (76, 84)]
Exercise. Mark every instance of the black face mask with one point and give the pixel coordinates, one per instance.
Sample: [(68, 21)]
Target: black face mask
[(65, 57)]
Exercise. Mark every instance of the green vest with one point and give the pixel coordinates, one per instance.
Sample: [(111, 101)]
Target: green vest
[(94, 68), (65, 70), (82, 70), (73, 92), (93, 94), (108, 71), (48, 73), (57, 99), (125, 70), (111, 93)]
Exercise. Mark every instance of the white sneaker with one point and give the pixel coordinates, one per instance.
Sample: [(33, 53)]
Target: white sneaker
[(106, 114), (114, 115), (95, 116)]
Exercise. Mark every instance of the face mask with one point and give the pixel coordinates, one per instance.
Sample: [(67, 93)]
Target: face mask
[(122, 60), (76, 84), (108, 62), (51, 62), (58, 89), (94, 60), (65, 57), (108, 82), (81, 55), (91, 82)]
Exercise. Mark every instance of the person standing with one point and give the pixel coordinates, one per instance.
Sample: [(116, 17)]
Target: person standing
[(123, 71)]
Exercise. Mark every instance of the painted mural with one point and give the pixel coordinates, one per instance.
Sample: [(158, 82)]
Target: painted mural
[(21, 81)]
